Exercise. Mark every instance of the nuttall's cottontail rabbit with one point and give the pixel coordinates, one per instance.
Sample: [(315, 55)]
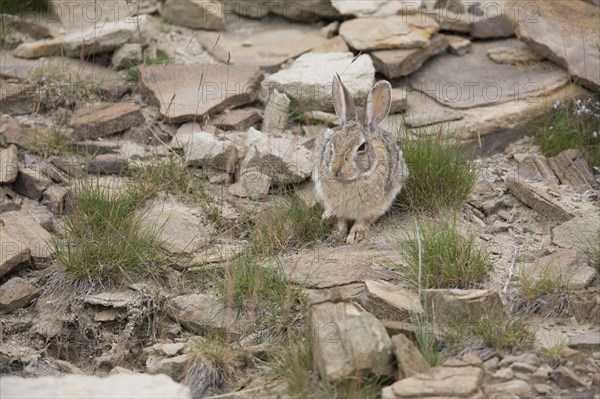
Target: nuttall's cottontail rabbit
[(359, 168)]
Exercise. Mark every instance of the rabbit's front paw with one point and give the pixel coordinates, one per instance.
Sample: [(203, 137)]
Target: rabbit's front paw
[(357, 234)]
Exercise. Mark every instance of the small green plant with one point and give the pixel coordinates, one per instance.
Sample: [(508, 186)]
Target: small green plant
[(104, 238), (544, 284), (594, 252), (496, 330), (443, 258), (552, 353), (133, 73), (57, 142), (20, 6), (570, 125), (428, 345), (441, 172)]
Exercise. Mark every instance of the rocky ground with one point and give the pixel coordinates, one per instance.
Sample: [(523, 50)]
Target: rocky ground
[(239, 91)]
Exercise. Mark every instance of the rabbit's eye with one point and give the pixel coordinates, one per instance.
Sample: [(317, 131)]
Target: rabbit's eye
[(362, 147)]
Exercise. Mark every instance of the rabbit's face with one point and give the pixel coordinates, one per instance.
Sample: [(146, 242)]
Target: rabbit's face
[(349, 153)]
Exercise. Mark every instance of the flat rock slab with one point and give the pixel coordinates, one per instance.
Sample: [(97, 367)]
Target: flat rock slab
[(396, 63), (565, 32), (118, 386), (588, 342), (474, 80), (195, 14), (536, 200), (96, 77), (394, 32), (22, 227), (389, 301), (308, 81), (17, 98), (329, 267), (205, 149), (101, 120), (17, 293), (200, 313), (114, 299), (181, 228), (565, 265), (455, 382), (447, 305), (578, 232), (104, 38), (267, 49), (190, 92), (237, 119), (9, 165), (349, 340)]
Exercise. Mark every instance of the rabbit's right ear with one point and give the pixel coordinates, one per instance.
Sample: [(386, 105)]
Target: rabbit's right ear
[(342, 101)]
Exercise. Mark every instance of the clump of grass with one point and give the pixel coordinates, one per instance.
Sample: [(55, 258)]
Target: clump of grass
[(495, 330), (443, 258), (426, 340), (545, 284), (56, 143), (104, 238), (133, 73), (19, 6), (594, 252), (442, 173), (290, 222), (570, 125), (213, 361)]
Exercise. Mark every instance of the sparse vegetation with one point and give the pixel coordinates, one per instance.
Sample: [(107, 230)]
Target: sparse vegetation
[(497, 330), (442, 172), (428, 345), (594, 252), (448, 258), (55, 143), (545, 284), (19, 6), (104, 240), (570, 125)]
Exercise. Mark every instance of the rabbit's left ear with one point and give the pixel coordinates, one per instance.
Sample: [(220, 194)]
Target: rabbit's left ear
[(378, 104)]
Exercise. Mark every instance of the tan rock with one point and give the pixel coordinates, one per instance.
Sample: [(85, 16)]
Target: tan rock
[(17, 98), (389, 301), (571, 168), (175, 88), (31, 183), (537, 200), (41, 48), (408, 356), (276, 114), (566, 265), (396, 63), (577, 232), (9, 165), (398, 100), (237, 119), (460, 382), (195, 14), (348, 340), (17, 293), (449, 305), (395, 32), (511, 56), (22, 227), (54, 198), (458, 45), (563, 32), (101, 120), (14, 253), (334, 45)]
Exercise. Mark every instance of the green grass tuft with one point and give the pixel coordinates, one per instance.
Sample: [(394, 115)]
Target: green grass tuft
[(442, 173), (535, 287), (448, 259), (133, 73), (594, 252), (20, 6), (56, 143), (104, 241), (570, 125)]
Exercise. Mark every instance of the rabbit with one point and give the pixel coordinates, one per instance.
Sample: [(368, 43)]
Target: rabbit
[(358, 167)]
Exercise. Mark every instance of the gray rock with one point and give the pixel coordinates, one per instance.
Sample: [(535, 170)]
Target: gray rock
[(566, 265), (462, 382), (114, 299), (577, 232), (31, 183), (17, 98), (566, 378), (251, 184), (174, 367), (448, 305), (237, 119), (276, 114), (195, 14), (495, 24), (135, 386), (205, 149), (168, 349), (397, 63), (308, 81), (54, 198), (408, 356), (127, 55), (395, 32), (348, 340), (22, 227), (588, 342), (510, 389), (105, 39), (389, 301), (9, 165), (564, 33), (267, 48), (458, 45), (571, 168), (181, 229), (101, 120), (17, 293), (380, 8), (474, 80), (536, 200), (175, 88), (201, 313), (107, 164), (398, 100), (284, 159)]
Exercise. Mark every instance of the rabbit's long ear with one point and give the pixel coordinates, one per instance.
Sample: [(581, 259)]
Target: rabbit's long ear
[(378, 104), (342, 101)]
